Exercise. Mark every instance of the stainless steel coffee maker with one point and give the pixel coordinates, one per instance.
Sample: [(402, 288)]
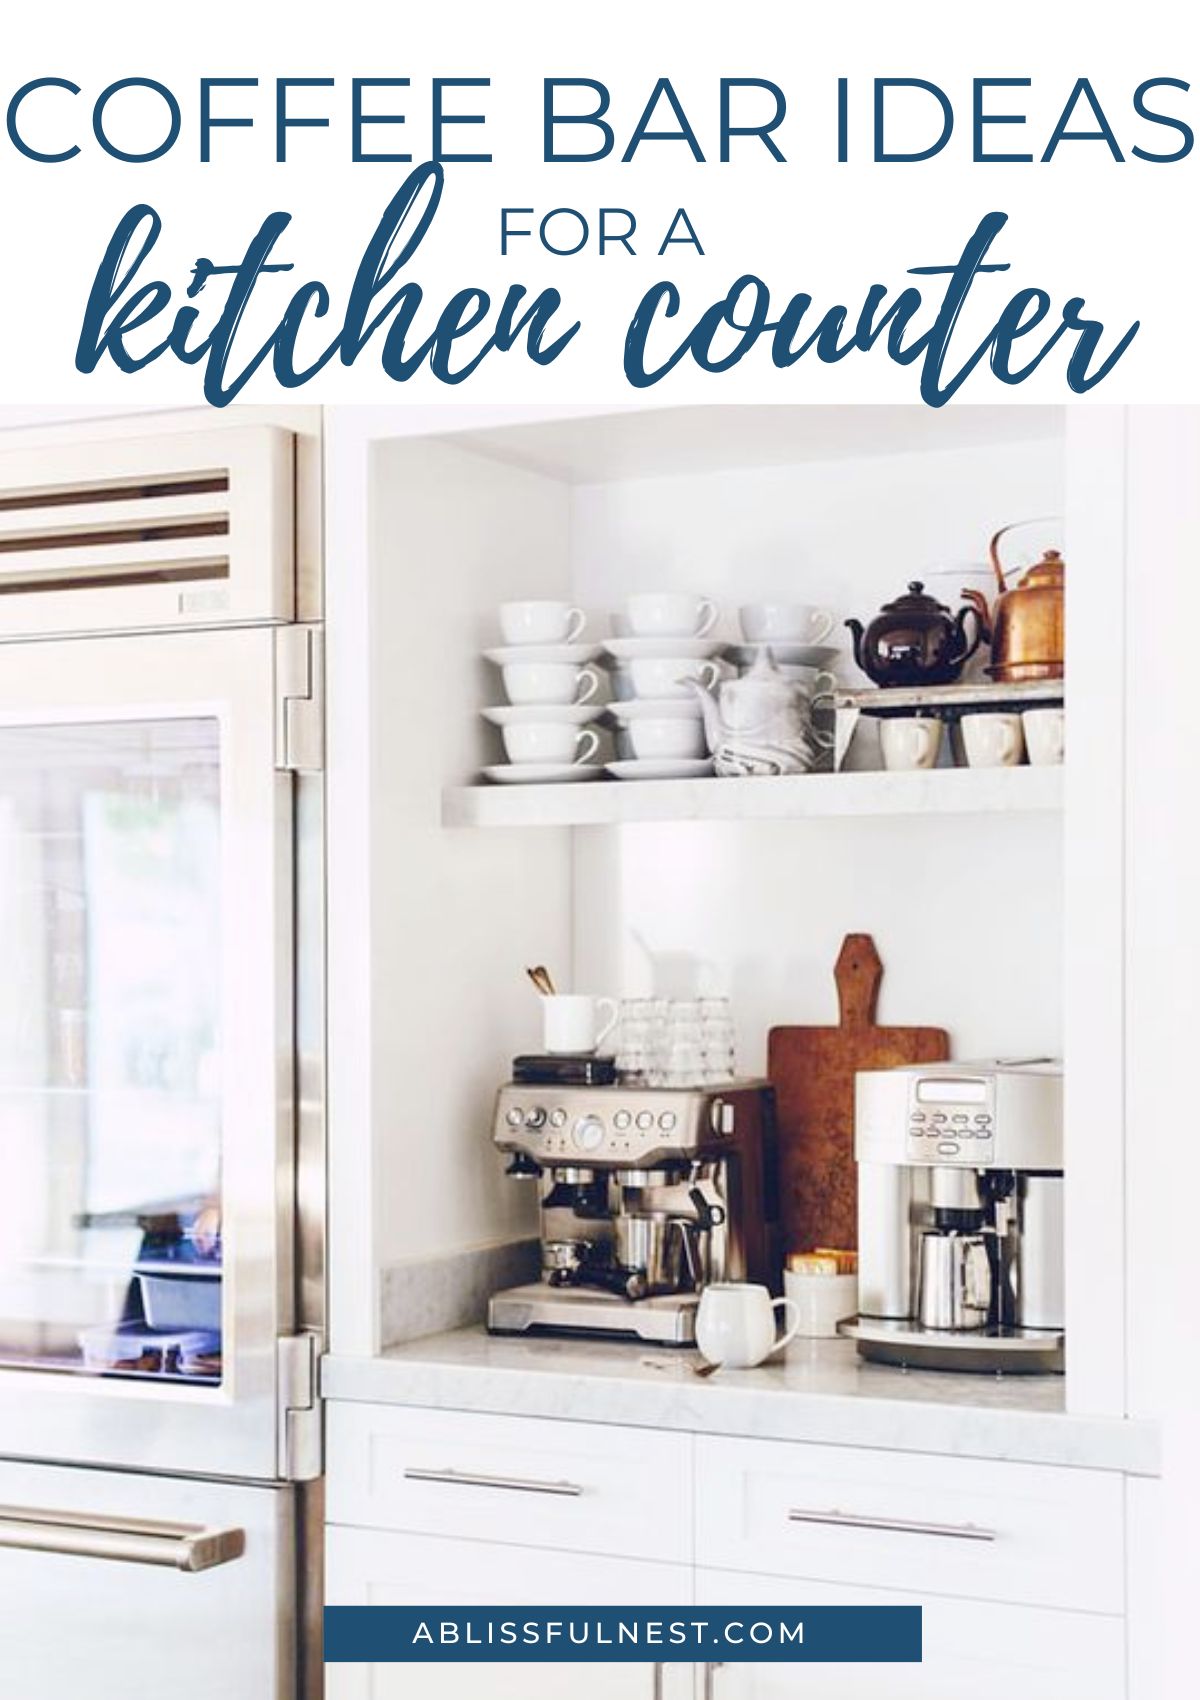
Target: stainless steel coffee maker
[(646, 1195), (960, 1216)]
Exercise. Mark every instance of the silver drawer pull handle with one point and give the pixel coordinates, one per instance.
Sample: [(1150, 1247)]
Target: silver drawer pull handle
[(174, 1546), (894, 1525), (514, 1484)]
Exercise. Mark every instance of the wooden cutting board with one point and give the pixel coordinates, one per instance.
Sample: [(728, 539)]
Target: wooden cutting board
[(812, 1070)]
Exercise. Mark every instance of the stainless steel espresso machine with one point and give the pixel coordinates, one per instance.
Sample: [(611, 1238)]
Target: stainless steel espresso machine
[(960, 1216), (647, 1194)]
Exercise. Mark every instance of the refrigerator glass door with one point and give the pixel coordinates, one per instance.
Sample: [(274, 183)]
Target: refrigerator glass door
[(146, 1040), (129, 1587)]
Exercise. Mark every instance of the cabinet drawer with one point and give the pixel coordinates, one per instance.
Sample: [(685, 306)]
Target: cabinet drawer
[(371, 1567), (972, 1650), (582, 1487), (1024, 1533)]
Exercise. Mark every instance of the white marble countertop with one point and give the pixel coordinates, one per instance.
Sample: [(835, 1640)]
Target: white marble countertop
[(819, 1390)]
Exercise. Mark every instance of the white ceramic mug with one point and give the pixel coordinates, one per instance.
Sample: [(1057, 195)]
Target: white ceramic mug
[(663, 677), (993, 740), (574, 1024), (666, 740), (735, 1324), (910, 744), (553, 682), (541, 622), (550, 741), (785, 622), (670, 613), (1044, 735)]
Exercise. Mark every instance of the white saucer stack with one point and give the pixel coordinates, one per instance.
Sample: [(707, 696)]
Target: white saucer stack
[(551, 686)]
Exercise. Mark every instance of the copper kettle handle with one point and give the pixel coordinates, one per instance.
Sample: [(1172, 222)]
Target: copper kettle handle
[(994, 545)]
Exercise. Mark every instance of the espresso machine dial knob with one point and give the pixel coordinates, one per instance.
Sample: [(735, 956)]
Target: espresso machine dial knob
[(588, 1133)]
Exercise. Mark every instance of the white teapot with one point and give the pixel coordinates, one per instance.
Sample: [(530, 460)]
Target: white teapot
[(758, 724)]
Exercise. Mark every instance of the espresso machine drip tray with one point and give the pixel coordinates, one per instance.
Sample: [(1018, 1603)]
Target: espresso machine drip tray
[(666, 1320), (1015, 1351)]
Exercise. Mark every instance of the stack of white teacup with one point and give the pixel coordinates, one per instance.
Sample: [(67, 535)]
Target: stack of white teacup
[(664, 646), (551, 686)]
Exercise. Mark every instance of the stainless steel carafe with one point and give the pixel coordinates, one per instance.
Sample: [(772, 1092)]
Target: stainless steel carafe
[(954, 1281)]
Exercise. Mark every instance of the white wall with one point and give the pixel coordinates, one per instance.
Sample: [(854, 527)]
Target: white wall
[(455, 916), (966, 911)]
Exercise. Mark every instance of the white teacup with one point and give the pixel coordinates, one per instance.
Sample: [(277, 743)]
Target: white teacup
[(735, 1324), (541, 622), (910, 744), (1044, 735), (663, 677), (574, 1024), (666, 740), (549, 682), (670, 613), (785, 622), (550, 741), (993, 740)]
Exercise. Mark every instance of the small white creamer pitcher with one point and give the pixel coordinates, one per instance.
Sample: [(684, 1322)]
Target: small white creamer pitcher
[(735, 1325)]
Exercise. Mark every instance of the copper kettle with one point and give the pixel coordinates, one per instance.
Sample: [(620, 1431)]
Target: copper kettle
[(1025, 627)]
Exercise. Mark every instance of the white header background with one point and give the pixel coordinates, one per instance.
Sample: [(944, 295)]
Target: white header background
[(1121, 235)]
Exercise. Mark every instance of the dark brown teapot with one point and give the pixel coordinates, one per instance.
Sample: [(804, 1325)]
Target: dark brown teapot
[(915, 640)]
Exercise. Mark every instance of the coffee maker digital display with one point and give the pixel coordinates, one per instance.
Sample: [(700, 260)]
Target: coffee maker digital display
[(960, 1216), (647, 1194)]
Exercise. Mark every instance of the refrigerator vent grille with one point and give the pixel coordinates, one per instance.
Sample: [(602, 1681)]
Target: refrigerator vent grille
[(188, 528)]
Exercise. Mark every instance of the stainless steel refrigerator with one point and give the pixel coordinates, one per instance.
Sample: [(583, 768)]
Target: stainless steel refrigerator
[(161, 1077)]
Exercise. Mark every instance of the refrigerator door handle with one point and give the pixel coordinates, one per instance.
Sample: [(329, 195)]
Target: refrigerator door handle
[(174, 1546)]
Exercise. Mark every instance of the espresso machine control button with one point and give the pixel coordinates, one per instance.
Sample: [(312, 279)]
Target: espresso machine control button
[(645, 1120), (536, 1117), (945, 1149), (588, 1133), (515, 1117), (558, 1118), (622, 1120), (667, 1120)]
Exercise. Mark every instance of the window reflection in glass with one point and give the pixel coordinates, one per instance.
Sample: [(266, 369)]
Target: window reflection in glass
[(110, 1117)]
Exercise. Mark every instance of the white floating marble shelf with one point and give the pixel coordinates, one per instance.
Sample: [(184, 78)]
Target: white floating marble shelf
[(814, 796)]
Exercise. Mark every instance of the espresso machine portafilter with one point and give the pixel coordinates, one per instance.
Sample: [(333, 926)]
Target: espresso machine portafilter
[(960, 1216), (646, 1194)]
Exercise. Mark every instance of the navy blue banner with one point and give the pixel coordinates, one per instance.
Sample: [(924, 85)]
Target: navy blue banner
[(623, 1634)]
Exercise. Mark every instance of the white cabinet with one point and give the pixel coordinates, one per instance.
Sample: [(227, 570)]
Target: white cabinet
[(582, 1487), (1024, 1533), (374, 1567), (1018, 1568), (971, 1648)]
